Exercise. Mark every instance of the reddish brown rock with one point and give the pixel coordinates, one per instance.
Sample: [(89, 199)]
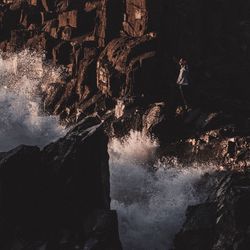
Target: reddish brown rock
[(108, 21), (69, 18), (51, 27), (65, 5), (91, 5), (48, 5), (34, 2), (86, 77), (124, 66), (52, 95), (69, 98), (141, 17)]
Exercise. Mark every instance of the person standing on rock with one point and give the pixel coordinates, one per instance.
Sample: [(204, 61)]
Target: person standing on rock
[(183, 81)]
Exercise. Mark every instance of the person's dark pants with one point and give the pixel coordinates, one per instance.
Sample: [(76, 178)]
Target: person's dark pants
[(184, 89)]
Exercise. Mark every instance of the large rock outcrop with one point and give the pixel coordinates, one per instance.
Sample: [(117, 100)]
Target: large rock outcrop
[(58, 197), (124, 64), (70, 33), (223, 221), (213, 36), (120, 60)]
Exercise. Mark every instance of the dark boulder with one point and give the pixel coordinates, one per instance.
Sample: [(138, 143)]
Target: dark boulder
[(80, 173), (223, 221), (20, 169), (59, 197), (9, 20), (198, 230), (61, 53)]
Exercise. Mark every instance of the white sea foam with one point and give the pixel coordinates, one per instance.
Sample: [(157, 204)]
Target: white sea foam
[(151, 202), (22, 121)]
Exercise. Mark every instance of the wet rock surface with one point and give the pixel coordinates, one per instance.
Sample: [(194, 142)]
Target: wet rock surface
[(120, 59), (58, 197), (223, 221)]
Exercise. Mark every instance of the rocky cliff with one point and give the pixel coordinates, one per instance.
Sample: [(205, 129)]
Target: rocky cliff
[(119, 58), (58, 197), (125, 49)]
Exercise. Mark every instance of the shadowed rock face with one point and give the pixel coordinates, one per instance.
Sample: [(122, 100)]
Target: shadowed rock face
[(223, 221), (59, 197), (125, 51), (214, 37), (141, 17)]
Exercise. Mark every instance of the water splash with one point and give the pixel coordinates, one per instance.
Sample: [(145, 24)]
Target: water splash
[(22, 121), (150, 196), (135, 148)]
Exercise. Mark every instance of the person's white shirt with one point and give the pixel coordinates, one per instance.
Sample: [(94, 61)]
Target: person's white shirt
[(183, 76)]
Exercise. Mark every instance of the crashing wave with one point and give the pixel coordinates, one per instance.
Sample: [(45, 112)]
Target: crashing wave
[(22, 120)]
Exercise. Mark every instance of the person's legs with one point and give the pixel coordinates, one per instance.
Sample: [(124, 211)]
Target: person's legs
[(183, 92)]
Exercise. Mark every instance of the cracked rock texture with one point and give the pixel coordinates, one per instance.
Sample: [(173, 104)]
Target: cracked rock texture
[(119, 58)]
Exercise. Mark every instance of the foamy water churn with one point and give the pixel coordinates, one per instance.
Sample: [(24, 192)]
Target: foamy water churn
[(150, 196), (22, 120)]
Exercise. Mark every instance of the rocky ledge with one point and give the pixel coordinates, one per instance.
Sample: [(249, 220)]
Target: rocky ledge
[(58, 197)]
